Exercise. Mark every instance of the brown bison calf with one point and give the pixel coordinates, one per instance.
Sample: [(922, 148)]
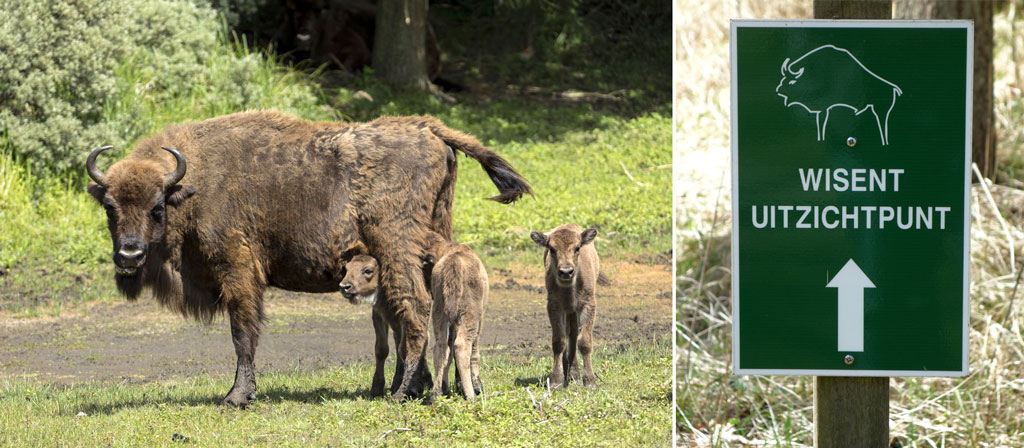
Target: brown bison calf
[(458, 285), (359, 285), (572, 268)]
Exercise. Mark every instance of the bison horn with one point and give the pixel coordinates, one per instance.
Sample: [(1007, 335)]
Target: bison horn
[(90, 166), (179, 170), (784, 64)]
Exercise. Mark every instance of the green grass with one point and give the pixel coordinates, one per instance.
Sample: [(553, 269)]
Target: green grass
[(52, 241), (630, 407)]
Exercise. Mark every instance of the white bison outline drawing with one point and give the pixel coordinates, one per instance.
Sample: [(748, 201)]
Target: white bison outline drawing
[(839, 80)]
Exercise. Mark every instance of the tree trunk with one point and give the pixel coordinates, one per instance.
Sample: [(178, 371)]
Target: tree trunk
[(399, 49), (983, 134), (852, 9)]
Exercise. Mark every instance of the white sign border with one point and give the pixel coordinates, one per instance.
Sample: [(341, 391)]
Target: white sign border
[(735, 24)]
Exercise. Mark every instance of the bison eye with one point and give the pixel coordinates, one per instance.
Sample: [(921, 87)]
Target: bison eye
[(367, 271), (158, 212), (577, 249)]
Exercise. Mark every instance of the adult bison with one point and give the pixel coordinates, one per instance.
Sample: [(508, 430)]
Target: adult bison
[(209, 214)]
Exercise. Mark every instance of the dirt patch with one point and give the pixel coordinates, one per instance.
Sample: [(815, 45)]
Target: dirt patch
[(139, 341)]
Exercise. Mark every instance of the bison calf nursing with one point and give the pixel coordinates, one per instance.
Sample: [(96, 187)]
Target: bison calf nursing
[(359, 284), (458, 285), (572, 267), (209, 214)]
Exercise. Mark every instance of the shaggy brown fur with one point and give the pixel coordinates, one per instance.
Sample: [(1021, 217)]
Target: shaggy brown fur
[(276, 200), (572, 267), (359, 285), (458, 283)]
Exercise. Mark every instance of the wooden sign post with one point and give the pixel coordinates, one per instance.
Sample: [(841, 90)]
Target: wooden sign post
[(851, 412)]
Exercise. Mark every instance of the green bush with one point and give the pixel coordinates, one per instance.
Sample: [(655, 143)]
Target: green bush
[(79, 74), (57, 62), (90, 74)]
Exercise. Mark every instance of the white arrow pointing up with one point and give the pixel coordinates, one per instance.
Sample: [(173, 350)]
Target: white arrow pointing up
[(851, 282)]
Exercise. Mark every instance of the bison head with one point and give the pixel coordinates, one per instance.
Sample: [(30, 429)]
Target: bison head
[(304, 18), (564, 245), (359, 284), (135, 193), (790, 78)]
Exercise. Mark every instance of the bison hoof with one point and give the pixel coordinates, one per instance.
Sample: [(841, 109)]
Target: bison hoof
[(557, 381), (235, 401), (399, 394), (574, 373), (589, 381), (377, 392), (432, 397)]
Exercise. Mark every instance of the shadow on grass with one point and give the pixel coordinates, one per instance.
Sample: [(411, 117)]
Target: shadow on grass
[(271, 395), (320, 394), (539, 381)]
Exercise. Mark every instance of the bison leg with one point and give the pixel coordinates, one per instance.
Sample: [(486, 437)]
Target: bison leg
[(413, 321), (450, 341), (557, 318), (882, 133), (572, 366), (421, 378), (396, 380), (463, 349), (820, 127), (380, 329), (474, 361), (586, 344), (245, 323), (441, 353), (424, 372)]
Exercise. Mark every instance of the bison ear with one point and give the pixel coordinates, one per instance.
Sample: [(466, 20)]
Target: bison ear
[(97, 191), (588, 236), (539, 238), (178, 193)]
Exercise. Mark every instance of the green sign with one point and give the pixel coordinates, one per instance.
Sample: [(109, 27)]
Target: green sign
[(851, 192)]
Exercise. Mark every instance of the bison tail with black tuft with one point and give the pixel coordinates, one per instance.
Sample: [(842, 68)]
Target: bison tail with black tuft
[(510, 183)]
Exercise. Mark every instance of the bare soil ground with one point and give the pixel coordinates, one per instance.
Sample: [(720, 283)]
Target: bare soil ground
[(140, 341)]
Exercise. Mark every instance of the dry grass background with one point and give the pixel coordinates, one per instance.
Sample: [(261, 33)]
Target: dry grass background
[(715, 408)]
